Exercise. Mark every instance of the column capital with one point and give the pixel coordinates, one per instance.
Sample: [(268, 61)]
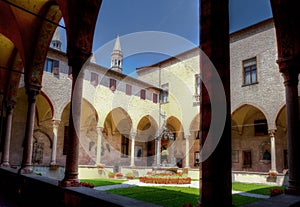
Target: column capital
[(272, 132), (56, 122), (290, 76), (10, 105), (32, 91)]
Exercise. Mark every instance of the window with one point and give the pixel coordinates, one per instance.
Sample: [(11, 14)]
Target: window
[(66, 140), (154, 98), (247, 161), (197, 134), (197, 158), (94, 79), (112, 84), (197, 84), (128, 89), (124, 146), (165, 93), (52, 66), (260, 127), (143, 94), (250, 73), (235, 156)]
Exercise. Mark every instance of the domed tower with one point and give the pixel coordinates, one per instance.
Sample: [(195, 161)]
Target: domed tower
[(56, 42), (117, 56)]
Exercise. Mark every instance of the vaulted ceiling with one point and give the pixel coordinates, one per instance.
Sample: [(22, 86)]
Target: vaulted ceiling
[(26, 29)]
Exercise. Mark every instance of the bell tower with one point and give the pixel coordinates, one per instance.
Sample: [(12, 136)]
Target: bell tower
[(56, 42), (117, 57)]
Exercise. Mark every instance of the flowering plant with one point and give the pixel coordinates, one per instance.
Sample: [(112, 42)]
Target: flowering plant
[(119, 174), (87, 184), (276, 191), (272, 174)]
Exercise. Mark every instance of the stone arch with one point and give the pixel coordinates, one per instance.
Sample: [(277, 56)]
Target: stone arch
[(146, 133), (241, 115), (117, 138), (249, 131)]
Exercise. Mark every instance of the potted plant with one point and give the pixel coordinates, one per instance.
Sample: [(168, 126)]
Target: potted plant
[(119, 175), (111, 175), (129, 175)]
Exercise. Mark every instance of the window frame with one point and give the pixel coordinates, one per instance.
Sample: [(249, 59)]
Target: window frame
[(94, 79), (128, 89), (112, 84), (251, 66), (124, 146), (143, 94), (260, 127)]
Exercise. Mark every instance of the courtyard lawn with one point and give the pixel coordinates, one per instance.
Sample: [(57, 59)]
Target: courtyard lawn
[(254, 188), (172, 196), (102, 182)]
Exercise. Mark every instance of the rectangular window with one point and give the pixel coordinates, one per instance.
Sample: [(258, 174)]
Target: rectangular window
[(124, 146), (260, 127), (197, 84), (112, 84), (66, 140), (143, 94), (154, 98), (48, 65), (55, 68), (197, 158), (128, 89), (52, 66), (250, 71), (94, 79), (235, 156), (197, 134), (247, 160)]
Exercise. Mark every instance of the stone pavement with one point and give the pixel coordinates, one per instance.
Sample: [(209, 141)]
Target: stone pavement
[(194, 184)]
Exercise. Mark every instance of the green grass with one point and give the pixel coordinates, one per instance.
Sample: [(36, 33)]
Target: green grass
[(173, 196), (254, 188), (102, 182), (176, 196)]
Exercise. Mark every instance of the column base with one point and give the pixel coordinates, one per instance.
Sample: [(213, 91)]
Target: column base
[(25, 170), (5, 164), (69, 183)]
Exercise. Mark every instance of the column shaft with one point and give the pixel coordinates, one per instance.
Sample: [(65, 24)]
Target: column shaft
[(293, 133), (6, 147), (273, 151), (187, 151), (26, 166), (132, 135), (99, 145), (54, 142)]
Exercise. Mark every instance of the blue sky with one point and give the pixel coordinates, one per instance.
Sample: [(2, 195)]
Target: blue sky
[(177, 18)]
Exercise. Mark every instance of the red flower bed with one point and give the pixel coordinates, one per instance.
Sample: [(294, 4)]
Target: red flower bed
[(166, 180)]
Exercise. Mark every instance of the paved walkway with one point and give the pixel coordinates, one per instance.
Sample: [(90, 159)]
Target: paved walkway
[(194, 184)]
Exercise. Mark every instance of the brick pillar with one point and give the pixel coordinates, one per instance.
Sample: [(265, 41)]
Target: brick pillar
[(26, 166), (76, 60), (215, 180), (9, 114)]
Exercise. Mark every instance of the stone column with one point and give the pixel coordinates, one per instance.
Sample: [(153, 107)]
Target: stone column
[(132, 136), (215, 182), (76, 60), (273, 151), (6, 147), (55, 124), (26, 166), (187, 150), (99, 145), (293, 133), (158, 158)]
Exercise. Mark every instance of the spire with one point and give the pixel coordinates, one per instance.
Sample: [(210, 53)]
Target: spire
[(117, 44), (56, 42), (117, 56)]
